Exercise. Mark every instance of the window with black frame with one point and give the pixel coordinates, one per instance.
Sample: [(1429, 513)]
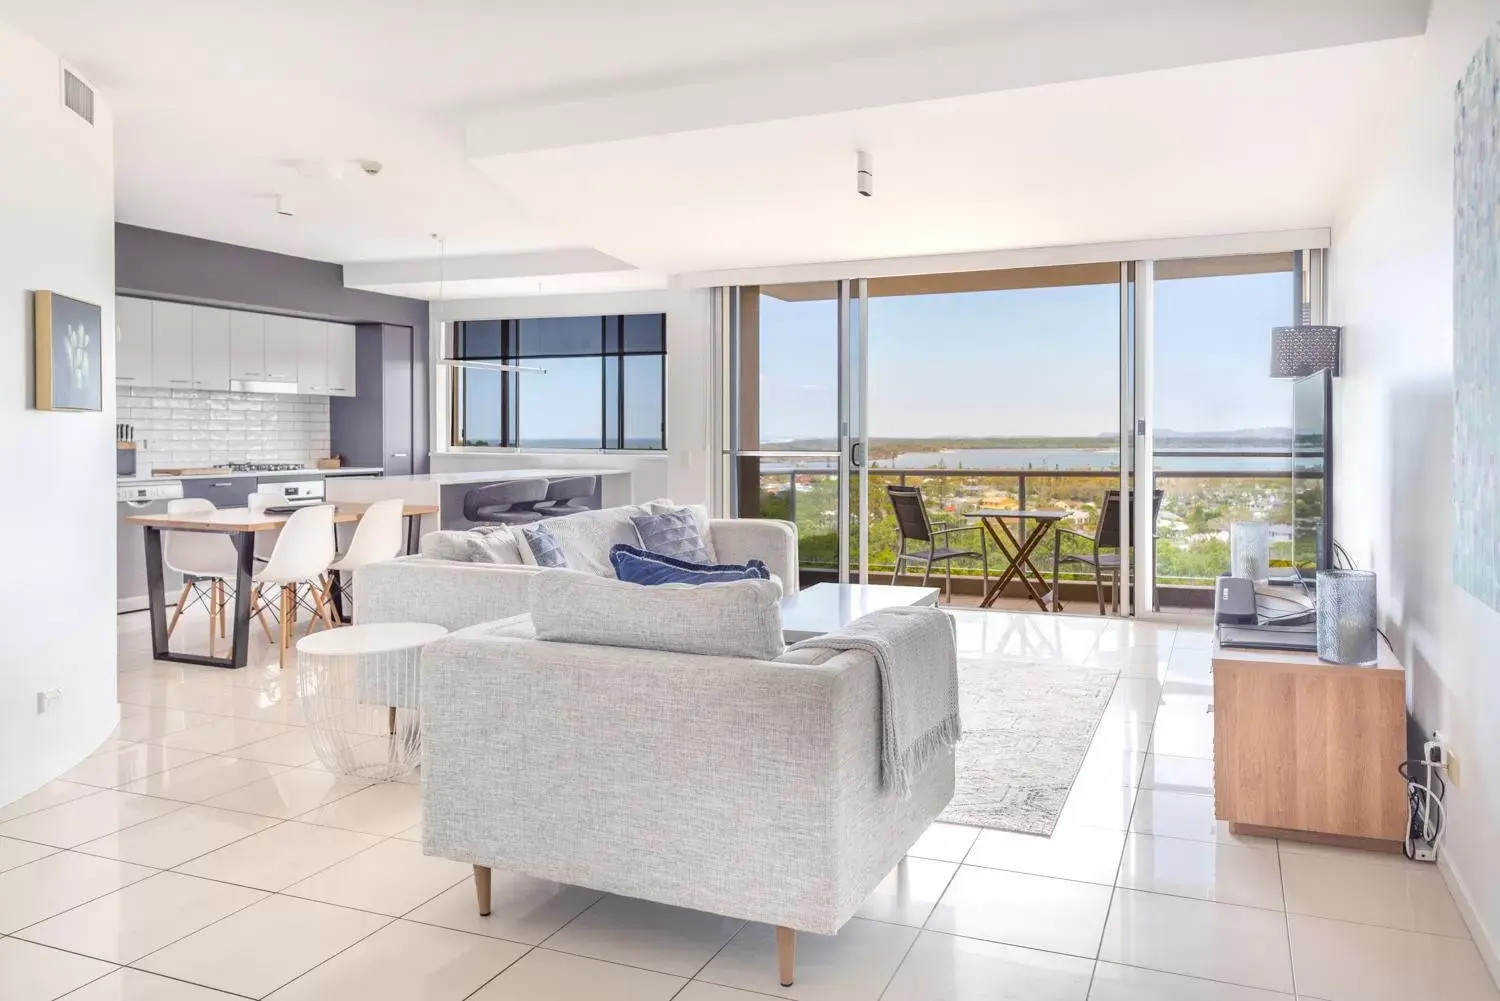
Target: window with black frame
[(585, 382)]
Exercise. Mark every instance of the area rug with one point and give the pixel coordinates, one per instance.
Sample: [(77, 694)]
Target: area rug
[(1027, 728)]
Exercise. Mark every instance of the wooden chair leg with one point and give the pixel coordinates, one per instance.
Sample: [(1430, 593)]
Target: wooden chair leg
[(213, 617), (786, 954), (317, 617), (177, 612), (482, 887), (286, 602), (330, 609), (223, 595), (258, 609)]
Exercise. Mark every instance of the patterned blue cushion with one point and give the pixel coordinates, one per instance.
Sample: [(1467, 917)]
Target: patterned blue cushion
[(544, 546), (674, 533), (640, 567)]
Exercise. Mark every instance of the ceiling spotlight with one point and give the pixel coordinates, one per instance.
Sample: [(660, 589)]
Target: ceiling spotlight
[(285, 206), (864, 174)]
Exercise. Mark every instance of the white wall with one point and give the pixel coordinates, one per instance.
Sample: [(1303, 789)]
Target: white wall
[(1392, 288), (684, 472), (57, 593)]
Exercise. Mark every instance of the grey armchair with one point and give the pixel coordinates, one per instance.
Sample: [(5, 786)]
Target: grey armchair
[(914, 525)]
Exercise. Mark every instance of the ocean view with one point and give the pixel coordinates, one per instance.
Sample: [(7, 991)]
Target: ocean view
[(1075, 458)]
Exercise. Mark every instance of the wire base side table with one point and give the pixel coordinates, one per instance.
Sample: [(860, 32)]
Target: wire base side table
[(359, 689)]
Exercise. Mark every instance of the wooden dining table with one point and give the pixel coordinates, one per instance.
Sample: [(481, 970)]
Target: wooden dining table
[(1018, 550), (241, 525)]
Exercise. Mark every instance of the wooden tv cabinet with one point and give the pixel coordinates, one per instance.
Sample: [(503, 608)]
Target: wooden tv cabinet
[(1308, 751)]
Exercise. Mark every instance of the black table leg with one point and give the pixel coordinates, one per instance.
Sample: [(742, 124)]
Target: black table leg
[(244, 585), (244, 545), (336, 579), (156, 594), (413, 533)]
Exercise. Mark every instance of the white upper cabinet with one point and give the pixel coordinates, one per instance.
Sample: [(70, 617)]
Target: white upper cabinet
[(179, 346), (133, 341), (341, 359), (247, 346), (282, 333), (172, 345), (312, 357), (210, 348)]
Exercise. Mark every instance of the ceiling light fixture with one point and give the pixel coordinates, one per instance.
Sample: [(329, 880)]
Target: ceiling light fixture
[(864, 174), (467, 363)]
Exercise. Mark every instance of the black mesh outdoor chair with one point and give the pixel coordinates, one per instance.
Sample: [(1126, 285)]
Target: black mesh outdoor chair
[(568, 495), (915, 526), (1107, 536), (512, 502)]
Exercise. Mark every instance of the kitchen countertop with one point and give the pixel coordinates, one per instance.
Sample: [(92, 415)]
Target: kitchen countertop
[(499, 475), (255, 474)]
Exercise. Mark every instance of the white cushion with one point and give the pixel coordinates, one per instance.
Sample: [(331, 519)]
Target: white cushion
[(735, 619)]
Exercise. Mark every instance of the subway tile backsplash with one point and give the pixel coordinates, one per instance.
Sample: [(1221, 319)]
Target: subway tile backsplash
[(185, 427)]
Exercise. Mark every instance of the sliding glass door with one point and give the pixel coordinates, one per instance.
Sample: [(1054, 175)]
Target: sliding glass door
[(795, 445), (1130, 402)]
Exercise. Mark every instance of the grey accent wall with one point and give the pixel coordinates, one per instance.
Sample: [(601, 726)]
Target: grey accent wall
[(161, 265)]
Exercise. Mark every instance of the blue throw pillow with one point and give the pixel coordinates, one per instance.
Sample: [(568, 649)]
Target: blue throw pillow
[(674, 533), (637, 566), (544, 546)]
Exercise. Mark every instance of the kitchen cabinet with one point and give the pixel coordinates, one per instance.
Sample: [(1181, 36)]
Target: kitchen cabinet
[(247, 346), (282, 333), (133, 341), (312, 357), (386, 425), (172, 345), (341, 360), (211, 348), (229, 492), (176, 345)]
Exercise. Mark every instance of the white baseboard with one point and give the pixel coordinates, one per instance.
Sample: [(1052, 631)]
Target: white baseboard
[(1481, 934)]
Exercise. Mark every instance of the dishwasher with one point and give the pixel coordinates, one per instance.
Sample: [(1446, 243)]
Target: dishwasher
[(130, 568)]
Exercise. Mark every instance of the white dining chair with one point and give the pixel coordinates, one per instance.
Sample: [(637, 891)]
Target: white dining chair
[(207, 561), (377, 537), (303, 551), (265, 542)]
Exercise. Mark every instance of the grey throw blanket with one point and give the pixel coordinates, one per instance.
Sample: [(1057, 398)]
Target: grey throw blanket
[(916, 650)]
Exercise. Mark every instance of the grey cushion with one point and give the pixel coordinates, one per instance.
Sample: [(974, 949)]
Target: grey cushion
[(586, 537), (735, 619), (543, 545), (700, 514), (488, 544), (674, 534)]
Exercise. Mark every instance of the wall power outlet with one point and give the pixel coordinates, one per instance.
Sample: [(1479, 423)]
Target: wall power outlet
[(46, 700)]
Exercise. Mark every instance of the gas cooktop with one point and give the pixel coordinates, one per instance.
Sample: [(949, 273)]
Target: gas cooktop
[(264, 467)]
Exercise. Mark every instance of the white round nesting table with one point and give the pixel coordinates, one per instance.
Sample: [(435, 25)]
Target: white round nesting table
[(359, 688)]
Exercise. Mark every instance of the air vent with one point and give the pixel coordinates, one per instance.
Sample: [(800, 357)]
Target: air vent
[(78, 97)]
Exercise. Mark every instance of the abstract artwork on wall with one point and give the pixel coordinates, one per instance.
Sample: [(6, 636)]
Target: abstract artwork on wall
[(1476, 327), (68, 353)]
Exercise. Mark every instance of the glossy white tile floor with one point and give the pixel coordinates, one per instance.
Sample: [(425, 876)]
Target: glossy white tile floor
[(202, 853)]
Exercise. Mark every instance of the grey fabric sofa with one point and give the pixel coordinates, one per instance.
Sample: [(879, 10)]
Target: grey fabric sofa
[(456, 594), (748, 788)]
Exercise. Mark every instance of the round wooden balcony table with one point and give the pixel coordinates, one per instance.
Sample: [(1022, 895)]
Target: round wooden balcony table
[(359, 688)]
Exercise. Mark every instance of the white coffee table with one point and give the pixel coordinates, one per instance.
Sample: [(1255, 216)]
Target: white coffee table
[(823, 608), (359, 689)]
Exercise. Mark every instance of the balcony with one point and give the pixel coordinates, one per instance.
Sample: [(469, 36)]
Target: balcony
[(1203, 493)]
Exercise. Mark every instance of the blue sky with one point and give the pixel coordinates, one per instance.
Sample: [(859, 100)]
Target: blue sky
[(1030, 361)]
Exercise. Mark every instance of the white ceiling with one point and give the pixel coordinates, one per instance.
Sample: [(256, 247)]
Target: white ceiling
[(693, 134)]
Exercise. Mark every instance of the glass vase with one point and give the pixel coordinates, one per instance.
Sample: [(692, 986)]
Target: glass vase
[(1346, 617)]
